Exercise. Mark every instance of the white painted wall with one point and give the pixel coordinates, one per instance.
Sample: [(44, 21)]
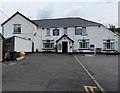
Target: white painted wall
[(1, 50), (94, 33), (22, 45), (27, 28)]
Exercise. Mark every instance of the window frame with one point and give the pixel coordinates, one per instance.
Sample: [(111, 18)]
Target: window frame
[(84, 44), (48, 44), (65, 30), (80, 31), (48, 32), (56, 29), (109, 44), (16, 28)]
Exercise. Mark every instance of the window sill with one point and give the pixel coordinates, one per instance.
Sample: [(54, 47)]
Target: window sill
[(84, 49), (47, 48), (55, 35), (16, 33), (82, 35), (48, 35), (108, 49)]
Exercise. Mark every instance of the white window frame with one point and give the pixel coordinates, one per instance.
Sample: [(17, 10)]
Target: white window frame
[(48, 44), (82, 31), (108, 44), (17, 28), (48, 32), (84, 43), (65, 30), (57, 30)]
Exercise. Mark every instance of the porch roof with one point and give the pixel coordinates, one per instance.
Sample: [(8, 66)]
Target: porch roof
[(63, 37)]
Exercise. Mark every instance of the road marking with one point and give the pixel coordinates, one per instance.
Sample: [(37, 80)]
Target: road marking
[(89, 87), (98, 85)]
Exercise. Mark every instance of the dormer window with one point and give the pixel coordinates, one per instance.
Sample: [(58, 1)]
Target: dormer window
[(16, 28)]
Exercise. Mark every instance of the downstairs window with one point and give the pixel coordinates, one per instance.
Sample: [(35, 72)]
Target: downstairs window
[(48, 44), (109, 44), (84, 44)]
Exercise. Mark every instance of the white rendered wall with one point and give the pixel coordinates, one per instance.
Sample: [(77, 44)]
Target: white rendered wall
[(27, 28), (23, 45), (94, 33)]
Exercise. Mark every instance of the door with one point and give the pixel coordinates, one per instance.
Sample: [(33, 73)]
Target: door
[(64, 47)]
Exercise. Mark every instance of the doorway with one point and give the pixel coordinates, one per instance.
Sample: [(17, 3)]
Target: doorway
[(64, 47)]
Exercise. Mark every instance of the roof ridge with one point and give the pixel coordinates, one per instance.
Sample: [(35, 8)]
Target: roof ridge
[(67, 18)]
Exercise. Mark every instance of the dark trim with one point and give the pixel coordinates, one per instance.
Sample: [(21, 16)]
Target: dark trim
[(17, 33), (65, 36), (48, 49), (108, 50), (84, 49), (97, 53), (17, 37), (21, 15)]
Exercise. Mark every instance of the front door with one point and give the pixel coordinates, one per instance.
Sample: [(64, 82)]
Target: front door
[(64, 47)]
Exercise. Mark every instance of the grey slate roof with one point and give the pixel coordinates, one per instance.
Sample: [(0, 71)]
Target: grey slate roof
[(64, 22)]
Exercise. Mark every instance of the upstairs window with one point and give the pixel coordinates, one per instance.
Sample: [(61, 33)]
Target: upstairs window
[(80, 31), (17, 28), (84, 44), (108, 44), (55, 32), (65, 30), (47, 32), (48, 44)]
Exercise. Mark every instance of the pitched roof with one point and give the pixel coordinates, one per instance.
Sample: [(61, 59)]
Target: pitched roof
[(64, 22), (66, 37), (21, 15)]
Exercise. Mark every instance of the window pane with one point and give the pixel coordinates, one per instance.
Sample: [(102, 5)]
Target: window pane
[(65, 30), (48, 43), (108, 44), (47, 31), (78, 31), (84, 44), (17, 28), (83, 30)]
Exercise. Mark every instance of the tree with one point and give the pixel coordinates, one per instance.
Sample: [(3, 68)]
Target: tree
[(112, 27)]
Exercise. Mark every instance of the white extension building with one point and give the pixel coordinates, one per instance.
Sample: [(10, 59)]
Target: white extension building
[(61, 35)]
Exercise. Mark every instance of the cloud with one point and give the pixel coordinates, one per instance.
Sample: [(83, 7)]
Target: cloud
[(46, 12)]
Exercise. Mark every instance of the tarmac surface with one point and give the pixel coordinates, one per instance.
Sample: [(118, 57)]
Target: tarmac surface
[(46, 72), (104, 68)]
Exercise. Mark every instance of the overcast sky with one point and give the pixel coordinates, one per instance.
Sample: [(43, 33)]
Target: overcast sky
[(102, 11)]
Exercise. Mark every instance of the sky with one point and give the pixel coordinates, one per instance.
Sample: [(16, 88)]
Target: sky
[(101, 11)]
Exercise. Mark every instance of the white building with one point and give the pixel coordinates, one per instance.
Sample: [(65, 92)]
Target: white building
[(61, 35)]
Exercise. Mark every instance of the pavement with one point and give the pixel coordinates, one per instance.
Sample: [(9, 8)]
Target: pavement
[(46, 72), (104, 68)]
